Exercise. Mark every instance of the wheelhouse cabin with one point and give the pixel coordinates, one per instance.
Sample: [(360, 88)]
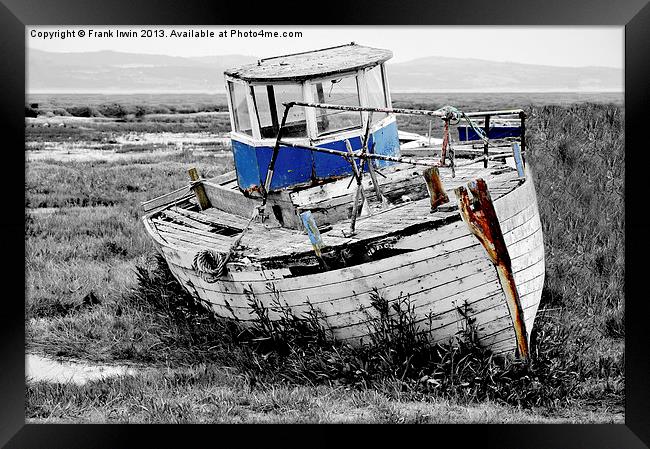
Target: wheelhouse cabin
[(351, 75)]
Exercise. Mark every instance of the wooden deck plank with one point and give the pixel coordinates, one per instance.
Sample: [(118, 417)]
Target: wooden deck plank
[(175, 195), (160, 221), (183, 241), (220, 217), (264, 243), (206, 217), (181, 219), (215, 240)]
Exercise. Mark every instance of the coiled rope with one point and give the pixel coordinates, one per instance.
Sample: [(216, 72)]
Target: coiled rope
[(211, 265)]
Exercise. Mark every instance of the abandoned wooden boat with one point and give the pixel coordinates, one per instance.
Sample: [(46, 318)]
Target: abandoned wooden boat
[(323, 211)]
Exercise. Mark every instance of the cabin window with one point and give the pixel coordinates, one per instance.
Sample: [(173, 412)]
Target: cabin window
[(376, 92), (341, 91), (240, 108), (268, 101)]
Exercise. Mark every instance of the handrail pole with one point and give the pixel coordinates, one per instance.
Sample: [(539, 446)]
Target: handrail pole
[(401, 110), (360, 156), (274, 156), (371, 168), (375, 183), (522, 118), (367, 155), (366, 135), (359, 190), (486, 145), (445, 141)]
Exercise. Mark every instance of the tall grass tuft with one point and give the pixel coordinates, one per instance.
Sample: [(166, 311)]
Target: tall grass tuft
[(578, 158)]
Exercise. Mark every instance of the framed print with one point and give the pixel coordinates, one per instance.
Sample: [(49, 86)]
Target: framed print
[(424, 214)]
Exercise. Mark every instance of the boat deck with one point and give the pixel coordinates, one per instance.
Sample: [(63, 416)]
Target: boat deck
[(184, 226)]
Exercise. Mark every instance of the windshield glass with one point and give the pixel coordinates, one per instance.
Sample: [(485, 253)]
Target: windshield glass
[(240, 108), (376, 92), (269, 104), (342, 91)]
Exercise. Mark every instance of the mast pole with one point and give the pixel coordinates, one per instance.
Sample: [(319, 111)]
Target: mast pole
[(274, 156)]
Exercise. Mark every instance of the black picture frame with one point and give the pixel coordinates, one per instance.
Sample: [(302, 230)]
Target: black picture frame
[(633, 14)]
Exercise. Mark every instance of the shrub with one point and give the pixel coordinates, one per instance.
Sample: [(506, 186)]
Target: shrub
[(112, 110), (82, 111)]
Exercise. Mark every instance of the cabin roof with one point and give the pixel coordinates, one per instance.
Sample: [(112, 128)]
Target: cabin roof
[(312, 64)]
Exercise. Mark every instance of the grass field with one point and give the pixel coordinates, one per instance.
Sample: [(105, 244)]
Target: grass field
[(86, 297)]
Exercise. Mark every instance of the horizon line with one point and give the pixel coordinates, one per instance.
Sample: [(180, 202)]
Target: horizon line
[(223, 92), (388, 62)]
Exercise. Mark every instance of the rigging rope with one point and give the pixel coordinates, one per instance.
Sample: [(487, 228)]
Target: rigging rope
[(454, 115)]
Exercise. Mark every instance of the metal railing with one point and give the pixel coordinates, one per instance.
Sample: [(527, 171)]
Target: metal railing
[(447, 114)]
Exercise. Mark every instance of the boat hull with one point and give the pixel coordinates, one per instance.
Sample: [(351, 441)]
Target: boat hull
[(444, 273)]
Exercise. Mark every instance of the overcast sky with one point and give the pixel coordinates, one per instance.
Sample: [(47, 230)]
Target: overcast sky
[(575, 46)]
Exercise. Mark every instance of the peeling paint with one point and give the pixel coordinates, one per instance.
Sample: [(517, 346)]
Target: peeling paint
[(436, 190), (484, 224)]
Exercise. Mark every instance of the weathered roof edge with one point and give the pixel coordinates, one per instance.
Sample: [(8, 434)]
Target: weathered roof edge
[(311, 64), (306, 52)]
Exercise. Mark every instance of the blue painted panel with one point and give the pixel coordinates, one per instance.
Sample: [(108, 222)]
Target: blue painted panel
[(248, 174), (387, 143), (251, 164), (296, 166), (496, 132), (293, 166), (516, 152), (327, 165), (312, 231)]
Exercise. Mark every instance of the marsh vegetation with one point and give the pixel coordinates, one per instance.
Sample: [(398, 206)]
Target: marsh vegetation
[(97, 291)]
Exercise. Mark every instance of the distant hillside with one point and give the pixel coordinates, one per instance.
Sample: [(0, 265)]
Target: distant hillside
[(479, 75), (111, 72)]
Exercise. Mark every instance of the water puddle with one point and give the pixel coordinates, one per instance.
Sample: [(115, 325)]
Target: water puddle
[(172, 138), (39, 368), (61, 152)]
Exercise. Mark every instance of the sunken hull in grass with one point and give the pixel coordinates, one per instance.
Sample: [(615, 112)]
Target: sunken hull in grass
[(442, 270)]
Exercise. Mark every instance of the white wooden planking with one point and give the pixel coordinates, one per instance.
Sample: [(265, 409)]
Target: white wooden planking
[(438, 266), (441, 254), (351, 315), (494, 323), (525, 242)]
